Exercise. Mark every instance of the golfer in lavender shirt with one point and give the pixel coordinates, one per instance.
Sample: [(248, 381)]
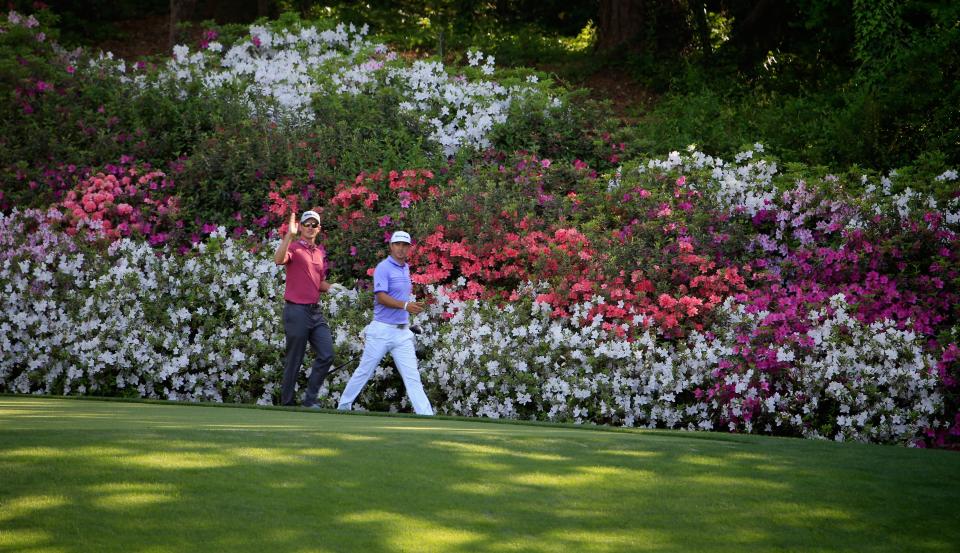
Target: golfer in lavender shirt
[(390, 329)]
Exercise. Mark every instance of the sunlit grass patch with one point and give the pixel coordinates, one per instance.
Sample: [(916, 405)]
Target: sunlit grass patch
[(112, 476)]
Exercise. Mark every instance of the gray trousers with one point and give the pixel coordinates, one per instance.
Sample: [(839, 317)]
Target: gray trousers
[(302, 324)]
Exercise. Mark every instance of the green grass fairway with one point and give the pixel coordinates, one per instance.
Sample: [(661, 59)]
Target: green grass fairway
[(105, 476)]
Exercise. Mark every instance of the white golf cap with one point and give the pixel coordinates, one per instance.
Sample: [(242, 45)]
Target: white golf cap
[(400, 236), (310, 215)]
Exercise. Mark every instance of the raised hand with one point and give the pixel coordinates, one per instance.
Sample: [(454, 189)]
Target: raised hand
[(292, 227)]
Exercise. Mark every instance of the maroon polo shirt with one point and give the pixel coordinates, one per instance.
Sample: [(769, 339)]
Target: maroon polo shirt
[(306, 269)]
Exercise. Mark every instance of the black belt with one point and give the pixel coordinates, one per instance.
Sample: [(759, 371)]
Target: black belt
[(313, 305)]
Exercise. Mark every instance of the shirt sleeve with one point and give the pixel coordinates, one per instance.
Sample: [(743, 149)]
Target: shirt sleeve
[(323, 256), (381, 279), (286, 258)]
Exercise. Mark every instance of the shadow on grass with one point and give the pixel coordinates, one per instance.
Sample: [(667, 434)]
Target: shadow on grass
[(89, 476)]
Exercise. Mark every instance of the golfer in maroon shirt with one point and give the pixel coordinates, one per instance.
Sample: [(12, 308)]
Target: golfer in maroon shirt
[(302, 319)]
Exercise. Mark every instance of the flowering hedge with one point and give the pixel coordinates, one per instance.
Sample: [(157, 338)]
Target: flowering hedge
[(568, 277), (286, 101), (206, 327), (852, 382), (785, 359), (289, 62)]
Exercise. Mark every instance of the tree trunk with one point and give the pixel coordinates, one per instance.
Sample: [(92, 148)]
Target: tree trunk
[(619, 23), (652, 27), (699, 8), (180, 10)]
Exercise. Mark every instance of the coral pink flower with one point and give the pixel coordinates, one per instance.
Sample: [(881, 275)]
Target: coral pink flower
[(666, 301)]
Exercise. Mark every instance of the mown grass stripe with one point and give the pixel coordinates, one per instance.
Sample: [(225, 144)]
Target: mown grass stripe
[(144, 476)]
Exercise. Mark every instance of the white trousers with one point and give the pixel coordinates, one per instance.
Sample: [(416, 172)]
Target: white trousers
[(381, 338)]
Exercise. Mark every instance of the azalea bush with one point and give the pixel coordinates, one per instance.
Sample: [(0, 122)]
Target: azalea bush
[(288, 62), (206, 327), (132, 323), (332, 102), (521, 362), (125, 201), (799, 347), (568, 276)]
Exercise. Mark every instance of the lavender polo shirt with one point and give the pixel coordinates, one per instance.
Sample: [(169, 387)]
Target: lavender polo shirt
[(394, 279), (306, 269)]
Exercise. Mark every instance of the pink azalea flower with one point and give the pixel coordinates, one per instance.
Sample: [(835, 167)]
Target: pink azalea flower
[(666, 301)]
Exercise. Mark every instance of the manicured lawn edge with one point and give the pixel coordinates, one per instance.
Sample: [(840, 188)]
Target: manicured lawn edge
[(696, 435)]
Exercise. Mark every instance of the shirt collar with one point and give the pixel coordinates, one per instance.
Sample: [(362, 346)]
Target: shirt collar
[(394, 261)]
